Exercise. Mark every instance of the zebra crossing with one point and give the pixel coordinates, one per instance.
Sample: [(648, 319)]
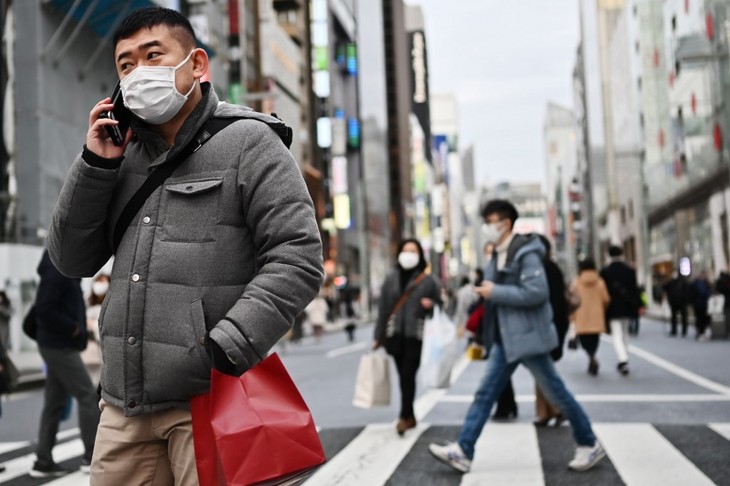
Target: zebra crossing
[(513, 453)]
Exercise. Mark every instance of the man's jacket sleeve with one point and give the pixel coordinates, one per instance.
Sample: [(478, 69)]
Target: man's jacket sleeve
[(532, 288), (77, 239), (280, 215)]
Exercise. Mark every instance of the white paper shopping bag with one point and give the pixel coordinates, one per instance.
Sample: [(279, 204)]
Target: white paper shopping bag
[(372, 386)]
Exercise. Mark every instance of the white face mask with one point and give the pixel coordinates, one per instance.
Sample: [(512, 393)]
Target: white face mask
[(100, 288), (492, 232), (150, 92), (408, 260)]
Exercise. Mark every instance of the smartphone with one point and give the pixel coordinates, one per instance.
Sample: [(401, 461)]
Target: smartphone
[(119, 113)]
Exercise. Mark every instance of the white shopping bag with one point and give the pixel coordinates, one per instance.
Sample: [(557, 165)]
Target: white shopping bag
[(372, 386), (440, 350)]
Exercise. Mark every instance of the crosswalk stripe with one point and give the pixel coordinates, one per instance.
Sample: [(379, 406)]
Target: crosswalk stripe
[(371, 458), (22, 465), (9, 446), (722, 429), (609, 398), (506, 454), (642, 455)]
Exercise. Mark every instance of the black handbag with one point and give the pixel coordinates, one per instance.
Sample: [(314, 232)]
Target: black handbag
[(8, 375), (30, 324)]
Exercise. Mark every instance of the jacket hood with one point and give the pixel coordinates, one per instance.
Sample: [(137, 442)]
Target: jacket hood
[(588, 277), (523, 244)]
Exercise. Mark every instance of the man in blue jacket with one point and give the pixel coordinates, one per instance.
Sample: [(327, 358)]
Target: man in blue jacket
[(61, 335), (518, 327)]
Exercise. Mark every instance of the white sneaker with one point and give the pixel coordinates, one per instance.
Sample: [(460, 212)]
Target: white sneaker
[(452, 455), (586, 457)]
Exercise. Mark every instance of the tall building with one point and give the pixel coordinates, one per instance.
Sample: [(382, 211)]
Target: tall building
[(336, 69), (375, 157), (562, 195)]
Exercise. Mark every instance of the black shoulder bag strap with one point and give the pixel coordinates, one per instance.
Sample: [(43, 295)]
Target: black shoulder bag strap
[(162, 172)]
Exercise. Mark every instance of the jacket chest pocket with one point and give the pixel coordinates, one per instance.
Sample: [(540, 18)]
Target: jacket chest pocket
[(191, 210)]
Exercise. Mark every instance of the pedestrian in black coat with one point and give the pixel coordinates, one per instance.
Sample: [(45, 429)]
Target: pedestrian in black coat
[(61, 335), (625, 303)]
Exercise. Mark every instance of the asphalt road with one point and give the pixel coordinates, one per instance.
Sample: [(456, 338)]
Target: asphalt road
[(667, 422)]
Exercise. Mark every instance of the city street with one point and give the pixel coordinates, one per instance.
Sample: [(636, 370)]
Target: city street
[(666, 423)]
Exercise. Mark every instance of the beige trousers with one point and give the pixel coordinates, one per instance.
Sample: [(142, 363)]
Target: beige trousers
[(153, 449)]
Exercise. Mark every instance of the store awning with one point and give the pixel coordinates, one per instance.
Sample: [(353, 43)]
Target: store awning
[(102, 16)]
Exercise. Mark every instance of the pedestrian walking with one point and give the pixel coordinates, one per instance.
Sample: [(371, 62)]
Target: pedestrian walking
[(210, 267), (624, 306), (700, 292), (6, 312), (545, 411), (520, 330), (678, 292), (61, 335), (407, 297), (317, 313), (590, 317)]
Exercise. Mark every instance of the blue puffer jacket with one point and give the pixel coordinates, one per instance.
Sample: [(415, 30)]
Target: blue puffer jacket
[(521, 301)]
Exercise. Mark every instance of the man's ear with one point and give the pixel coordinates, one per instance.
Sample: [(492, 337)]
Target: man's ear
[(200, 63)]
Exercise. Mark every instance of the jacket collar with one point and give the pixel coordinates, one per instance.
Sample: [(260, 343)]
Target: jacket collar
[(194, 122)]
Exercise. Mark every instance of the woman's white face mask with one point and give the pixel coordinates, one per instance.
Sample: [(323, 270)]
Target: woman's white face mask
[(408, 260), (150, 92)]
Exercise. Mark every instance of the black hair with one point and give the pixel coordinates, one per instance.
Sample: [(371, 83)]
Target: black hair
[(587, 264), (464, 281), (501, 207), (479, 276), (148, 17), (421, 255), (615, 251)]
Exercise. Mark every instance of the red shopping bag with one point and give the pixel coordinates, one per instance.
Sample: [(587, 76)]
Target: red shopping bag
[(254, 429)]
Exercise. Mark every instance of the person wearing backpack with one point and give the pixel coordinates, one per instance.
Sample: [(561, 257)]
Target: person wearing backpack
[(215, 242), (519, 329)]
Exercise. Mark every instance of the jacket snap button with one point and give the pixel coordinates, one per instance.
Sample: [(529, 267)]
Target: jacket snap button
[(135, 277), (131, 404), (131, 340), (146, 220)]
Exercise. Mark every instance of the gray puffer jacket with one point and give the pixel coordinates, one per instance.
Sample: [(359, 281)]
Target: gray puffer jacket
[(228, 245), (410, 316)]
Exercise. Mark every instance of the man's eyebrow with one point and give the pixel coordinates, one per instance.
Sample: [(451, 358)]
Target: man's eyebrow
[(146, 45)]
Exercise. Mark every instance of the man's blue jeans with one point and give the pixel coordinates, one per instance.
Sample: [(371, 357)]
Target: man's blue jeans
[(498, 373)]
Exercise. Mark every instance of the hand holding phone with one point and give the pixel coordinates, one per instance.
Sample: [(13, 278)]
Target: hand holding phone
[(121, 114), (109, 126)]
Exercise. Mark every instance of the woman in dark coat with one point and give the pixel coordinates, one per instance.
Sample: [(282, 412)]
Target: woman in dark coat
[(399, 327), (544, 410)]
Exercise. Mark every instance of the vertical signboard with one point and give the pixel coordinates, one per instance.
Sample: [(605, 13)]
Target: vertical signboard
[(420, 102)]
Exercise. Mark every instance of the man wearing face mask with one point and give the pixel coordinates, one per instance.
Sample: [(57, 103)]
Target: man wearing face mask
[(210, 272), (518, 328), (407, 297)]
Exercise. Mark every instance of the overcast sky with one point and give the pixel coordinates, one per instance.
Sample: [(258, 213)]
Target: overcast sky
[(504, 60)]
